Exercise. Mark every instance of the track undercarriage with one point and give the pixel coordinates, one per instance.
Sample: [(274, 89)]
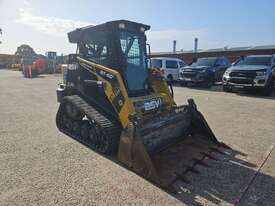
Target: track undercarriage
[(81, 121)]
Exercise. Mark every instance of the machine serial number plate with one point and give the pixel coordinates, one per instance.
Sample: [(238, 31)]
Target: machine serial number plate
[(152, 104)]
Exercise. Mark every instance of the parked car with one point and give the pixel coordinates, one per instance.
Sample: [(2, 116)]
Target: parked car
[(205, 71), (169, 67), (251, 72)]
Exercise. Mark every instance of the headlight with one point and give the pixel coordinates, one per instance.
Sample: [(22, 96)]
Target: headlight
[(204, 70), (261, 73), (226, 73)]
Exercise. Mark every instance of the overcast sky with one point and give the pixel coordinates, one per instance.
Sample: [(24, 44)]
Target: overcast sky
[(217, 23)]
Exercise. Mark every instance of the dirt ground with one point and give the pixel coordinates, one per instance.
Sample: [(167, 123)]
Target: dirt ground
[(41, 166)]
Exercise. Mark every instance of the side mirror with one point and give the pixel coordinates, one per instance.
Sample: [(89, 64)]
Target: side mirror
[(149, 54), (273, 61)]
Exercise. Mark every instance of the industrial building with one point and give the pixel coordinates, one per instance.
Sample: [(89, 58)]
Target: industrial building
[(231, 53)]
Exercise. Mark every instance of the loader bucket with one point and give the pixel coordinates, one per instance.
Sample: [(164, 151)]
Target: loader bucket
[(164, 150)]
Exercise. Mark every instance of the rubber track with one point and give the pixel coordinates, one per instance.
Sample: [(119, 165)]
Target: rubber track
[(110, 128)]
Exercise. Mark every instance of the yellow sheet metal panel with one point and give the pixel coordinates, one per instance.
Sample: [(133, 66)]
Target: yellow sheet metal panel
[(114, 89)]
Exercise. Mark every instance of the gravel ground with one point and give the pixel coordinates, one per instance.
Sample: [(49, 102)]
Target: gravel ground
[(41, 166)]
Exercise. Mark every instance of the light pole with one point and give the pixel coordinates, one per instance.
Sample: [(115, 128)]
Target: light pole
[(196, 42), (0, 34)]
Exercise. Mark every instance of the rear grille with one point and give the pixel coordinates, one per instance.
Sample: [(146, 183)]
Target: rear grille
[(244, 74)]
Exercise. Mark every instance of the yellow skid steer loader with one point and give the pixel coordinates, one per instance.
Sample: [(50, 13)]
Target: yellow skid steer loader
[(113, 103)]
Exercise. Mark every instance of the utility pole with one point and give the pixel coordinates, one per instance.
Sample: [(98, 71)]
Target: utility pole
[(196, 42), (174, 46), (0, 34)]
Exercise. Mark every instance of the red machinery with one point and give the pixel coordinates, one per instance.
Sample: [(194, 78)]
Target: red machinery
[(40, 65), (34, 69)]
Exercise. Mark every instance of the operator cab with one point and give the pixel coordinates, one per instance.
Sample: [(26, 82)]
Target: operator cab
[(119, 45)]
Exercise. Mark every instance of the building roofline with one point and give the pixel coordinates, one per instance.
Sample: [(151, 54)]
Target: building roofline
[(232, 49)]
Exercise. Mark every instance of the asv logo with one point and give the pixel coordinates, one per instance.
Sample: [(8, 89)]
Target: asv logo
[(152, 104)]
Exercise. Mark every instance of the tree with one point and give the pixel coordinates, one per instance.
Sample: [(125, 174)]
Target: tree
[(25, 50), (26, 54)]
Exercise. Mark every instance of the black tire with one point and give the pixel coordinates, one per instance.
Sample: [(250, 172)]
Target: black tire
[(183, 84), (268, 89), (34, 73), (209, 83), (226, 88), (170, 78)]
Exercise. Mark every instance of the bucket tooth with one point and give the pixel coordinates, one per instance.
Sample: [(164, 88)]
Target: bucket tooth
[(224, 145), (166, 149), (182, 178), (201, 162), (172, 189), (193, 170), (217, 150), (196, 146), (209, 156)]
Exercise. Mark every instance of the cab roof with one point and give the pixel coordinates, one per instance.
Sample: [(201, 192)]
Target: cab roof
[(75, 36), (259, 56), (167, 58)]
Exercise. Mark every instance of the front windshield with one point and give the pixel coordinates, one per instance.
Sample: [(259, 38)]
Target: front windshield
[(204, 62), (133, 49), (94, 47), (266, 61)]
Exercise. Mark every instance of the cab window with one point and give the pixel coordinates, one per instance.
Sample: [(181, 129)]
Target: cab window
[(95, 48), (226, 61), (156, 63), (171, 64), (255, 60), (219, 62), (182, 64)]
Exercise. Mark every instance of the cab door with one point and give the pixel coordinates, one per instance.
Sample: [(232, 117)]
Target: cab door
[(172, 70), (220, 67)]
